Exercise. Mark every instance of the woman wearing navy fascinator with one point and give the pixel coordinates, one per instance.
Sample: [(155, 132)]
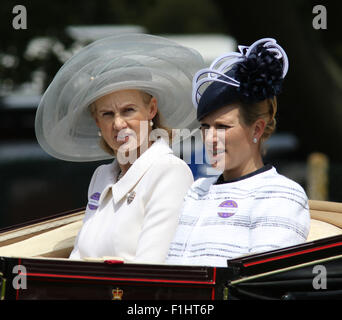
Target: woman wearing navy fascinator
[(250, 207)]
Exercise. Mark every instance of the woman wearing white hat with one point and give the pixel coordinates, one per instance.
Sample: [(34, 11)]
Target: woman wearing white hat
[(105, 102), (250, 207)]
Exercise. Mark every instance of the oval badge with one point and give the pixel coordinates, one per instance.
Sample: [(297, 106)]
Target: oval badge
[(227, 208), (93, 201)]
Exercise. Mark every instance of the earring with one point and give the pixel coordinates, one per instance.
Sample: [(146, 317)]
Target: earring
[(99, 133), (255, 140), (151, 123)]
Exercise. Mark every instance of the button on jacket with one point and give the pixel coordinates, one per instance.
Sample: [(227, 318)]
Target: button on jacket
[(134, 218)]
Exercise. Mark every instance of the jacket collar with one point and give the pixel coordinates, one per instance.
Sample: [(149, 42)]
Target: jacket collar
[(125, 185)]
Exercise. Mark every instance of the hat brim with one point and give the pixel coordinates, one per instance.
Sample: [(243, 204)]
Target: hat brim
[(64, 126)]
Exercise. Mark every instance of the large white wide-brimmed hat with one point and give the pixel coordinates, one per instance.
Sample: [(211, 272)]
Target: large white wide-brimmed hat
[(64, 126)]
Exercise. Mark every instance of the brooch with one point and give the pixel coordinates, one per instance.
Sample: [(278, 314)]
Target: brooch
[(131, 197)]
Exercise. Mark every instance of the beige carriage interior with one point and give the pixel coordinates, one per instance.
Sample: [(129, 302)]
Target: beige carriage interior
[(55, 238)]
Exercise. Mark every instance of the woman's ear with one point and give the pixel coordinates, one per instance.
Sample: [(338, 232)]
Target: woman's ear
[(153, 108), (259, 128), (97, 121)]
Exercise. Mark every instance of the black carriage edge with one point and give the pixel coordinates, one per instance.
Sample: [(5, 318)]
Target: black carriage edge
[(34, 265)]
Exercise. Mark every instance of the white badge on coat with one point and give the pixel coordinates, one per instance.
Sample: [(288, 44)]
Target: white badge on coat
[(130, 197)]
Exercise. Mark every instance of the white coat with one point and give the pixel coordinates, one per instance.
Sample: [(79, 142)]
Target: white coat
[(134, 218)]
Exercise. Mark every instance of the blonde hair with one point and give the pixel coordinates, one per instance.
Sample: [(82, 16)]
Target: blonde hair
[(266, 110), (157, 122)]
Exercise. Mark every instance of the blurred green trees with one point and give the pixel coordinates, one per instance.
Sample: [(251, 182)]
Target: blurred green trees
[(50, 19), (311, 104)]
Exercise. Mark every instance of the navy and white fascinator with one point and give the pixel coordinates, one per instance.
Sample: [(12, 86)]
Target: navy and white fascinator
[(251, 75)]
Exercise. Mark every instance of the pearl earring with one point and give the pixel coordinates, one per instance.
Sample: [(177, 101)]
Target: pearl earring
[(99, 133), (255, 140), (151, 123)]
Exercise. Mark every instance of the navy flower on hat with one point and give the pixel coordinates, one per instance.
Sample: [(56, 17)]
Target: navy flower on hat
[(260, 76)]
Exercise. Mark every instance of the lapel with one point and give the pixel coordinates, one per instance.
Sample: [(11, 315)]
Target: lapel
[(138, 169), (108, 179)]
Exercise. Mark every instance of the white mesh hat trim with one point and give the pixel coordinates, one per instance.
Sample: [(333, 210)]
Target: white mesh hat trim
[(64, 126)]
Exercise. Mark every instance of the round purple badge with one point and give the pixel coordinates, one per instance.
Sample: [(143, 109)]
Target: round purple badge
[(93, 201), (227, 208)]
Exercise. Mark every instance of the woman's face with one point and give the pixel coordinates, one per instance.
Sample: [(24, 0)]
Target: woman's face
[(123, 118), (229, 141)]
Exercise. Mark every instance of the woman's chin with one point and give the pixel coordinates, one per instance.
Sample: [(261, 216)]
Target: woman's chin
[(130, 151), (219, 167), (218, 162)]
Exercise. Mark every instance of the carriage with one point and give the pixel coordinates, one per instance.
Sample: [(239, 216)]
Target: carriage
[(34, 264)]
